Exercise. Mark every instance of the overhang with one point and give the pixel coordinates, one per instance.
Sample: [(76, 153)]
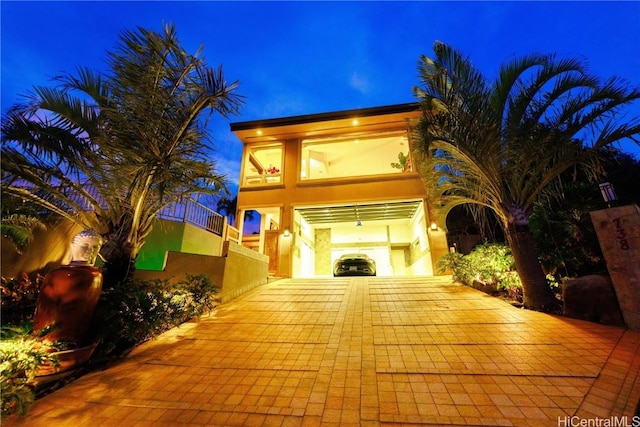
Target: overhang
[(359, 120)]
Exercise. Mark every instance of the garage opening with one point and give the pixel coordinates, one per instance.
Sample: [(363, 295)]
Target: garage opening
[(393, 233)]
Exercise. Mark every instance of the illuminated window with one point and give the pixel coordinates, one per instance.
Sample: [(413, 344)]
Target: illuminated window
[(355, 156), (263, 165)]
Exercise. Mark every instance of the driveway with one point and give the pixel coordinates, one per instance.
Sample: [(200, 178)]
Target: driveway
[(362, 352)]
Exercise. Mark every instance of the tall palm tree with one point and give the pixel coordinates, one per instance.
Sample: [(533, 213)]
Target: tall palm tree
[(110, 150), (500, 143)]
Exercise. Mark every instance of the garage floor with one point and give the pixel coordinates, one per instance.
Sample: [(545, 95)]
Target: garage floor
[(361, 352)]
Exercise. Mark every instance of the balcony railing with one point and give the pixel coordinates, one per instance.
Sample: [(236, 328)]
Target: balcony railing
[(194, 213), (188, 211)]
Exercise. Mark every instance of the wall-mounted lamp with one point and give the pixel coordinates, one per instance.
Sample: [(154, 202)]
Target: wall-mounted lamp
[(434, 226), (608, 193), (286, 233)]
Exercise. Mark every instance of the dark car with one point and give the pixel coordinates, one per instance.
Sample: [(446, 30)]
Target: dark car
[(354, 265)]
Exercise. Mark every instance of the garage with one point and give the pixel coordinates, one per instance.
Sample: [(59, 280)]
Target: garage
[(392, 233)]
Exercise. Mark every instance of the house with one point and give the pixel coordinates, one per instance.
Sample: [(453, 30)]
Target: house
[(333, 183)]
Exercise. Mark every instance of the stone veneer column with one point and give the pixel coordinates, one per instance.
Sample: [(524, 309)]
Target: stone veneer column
[(323, 251), (618, 231)]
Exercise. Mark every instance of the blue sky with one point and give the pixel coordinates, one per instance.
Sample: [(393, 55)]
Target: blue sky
[(301, 57)]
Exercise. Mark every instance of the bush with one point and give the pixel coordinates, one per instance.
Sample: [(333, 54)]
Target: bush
[(21, 355), (136, 311), (487, 264), (19, 296), (126, 315)]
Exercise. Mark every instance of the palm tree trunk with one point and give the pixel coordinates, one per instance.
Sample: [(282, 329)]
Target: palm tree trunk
[(537, 293), (119, 264)]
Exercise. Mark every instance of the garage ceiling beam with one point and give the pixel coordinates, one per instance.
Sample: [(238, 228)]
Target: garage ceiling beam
[(353, 213)]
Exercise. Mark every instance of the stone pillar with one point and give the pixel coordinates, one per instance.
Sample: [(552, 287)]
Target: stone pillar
[(618, 231)]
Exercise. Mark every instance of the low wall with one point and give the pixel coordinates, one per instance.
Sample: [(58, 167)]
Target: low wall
[(172, 236), (236, 272)]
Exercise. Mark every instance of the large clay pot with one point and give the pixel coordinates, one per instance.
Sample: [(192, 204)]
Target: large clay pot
[(68, 298), (70, 293)]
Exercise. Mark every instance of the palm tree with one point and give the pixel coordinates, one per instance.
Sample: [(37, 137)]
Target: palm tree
[(110, 150), (228, 207), (499, 144), (19, 228)]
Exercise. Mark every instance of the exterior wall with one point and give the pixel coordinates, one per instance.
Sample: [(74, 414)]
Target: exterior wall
[(293, 191), (237, 271), (172, 236), (49, 249), (438, 245), (244, 270), (165, 236)]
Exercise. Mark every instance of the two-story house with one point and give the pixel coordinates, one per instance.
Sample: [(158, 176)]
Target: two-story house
[(333, 183)]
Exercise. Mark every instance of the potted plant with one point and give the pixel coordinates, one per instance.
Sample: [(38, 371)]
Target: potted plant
[(404, 162)]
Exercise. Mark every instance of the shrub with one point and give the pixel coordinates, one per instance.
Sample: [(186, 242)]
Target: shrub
[(21, 355), (126, 315), (458, 264), (487, 264), (136, 311), (19, 296)]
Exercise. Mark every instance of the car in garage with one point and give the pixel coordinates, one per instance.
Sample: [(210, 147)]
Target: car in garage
[(354, 265)]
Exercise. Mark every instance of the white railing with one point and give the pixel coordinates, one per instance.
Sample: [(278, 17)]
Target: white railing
[(188, 211), (194, 213)]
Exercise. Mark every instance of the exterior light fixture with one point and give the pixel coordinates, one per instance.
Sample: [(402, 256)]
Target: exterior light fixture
[(258, 132), (286, 233), (355, 122), (434, 226), (608, 193), (359, 223)]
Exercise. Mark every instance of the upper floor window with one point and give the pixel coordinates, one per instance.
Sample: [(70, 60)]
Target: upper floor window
[(342, 157), (263, 164)]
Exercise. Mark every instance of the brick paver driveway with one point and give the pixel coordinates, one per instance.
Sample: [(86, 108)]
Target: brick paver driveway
[(361, 352)]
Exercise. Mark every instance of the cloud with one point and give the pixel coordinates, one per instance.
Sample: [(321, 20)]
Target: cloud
[(359, 83)]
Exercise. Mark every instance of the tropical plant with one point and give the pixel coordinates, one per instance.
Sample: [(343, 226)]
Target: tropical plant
[(228, 207), (131, 313), (500, 144), (488, 265), (21, 355), (561, 223), (18, 298), (403, 163), (19, 228), (110, 150)]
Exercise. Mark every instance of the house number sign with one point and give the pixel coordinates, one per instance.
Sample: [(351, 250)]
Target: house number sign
[(621, 234)]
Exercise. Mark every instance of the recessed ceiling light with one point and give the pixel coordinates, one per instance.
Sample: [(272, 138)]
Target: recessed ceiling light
[(259, 132), (355, 122)]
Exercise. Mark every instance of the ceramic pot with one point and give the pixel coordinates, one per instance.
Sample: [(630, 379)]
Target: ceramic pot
[(68, 298)]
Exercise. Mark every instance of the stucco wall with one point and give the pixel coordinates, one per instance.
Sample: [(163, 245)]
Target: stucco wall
[(171, 236), (237, 271), (244, 270), (48, 250)]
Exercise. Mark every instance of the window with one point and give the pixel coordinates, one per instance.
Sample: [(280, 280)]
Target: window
[(263, 165), (355, 156)]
